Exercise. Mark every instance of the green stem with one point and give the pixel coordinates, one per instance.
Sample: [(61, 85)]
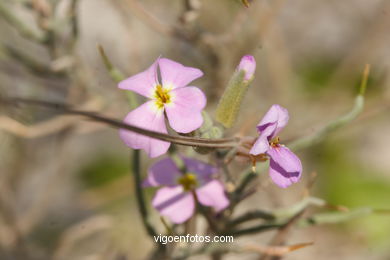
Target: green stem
[(253, 230), (337, 123), (136, 167), (251, 215), (335, 217), (245, 181), (332, 126), (298, 207), (115, 74)]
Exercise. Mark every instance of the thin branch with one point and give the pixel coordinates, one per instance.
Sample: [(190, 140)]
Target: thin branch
[(41, 129), (231, 34), (21, 27), (334, 217), (47, 127), (224, 248), (276, 251), (281, 236), (149, 19), (182, 140), (252, 215), (31, 63), (136, 170), (74, 17), (253, 230), (115, 74), (337, 123)]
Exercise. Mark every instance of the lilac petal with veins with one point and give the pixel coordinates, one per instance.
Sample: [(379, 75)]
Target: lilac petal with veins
[(285, 166), (174, 204), (277, 117)]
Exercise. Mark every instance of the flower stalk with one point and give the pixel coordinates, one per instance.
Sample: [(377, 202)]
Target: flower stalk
[(181, 140)]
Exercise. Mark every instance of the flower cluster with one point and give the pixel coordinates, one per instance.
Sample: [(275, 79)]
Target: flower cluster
[(171, 100)]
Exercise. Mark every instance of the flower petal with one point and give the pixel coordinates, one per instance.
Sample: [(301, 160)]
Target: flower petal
[(277, 115), (176, 75), (163, 172), (175, 204), (260, 146), (285, 166), (213, 195), (142, 83), (149, 117), (203, 171), (184, 112)]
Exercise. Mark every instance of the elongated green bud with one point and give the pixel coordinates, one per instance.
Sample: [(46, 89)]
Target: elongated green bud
[(230, 103)]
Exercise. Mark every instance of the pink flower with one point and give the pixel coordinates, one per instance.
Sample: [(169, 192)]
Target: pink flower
[(247, 64), (285, 166), (176, 201), (171, 97)]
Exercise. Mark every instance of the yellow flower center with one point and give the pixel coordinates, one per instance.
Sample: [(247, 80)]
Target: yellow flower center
[(162, 96), (275, 142), (188, 181)]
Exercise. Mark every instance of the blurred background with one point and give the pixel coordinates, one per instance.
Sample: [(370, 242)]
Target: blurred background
[(66, 190)]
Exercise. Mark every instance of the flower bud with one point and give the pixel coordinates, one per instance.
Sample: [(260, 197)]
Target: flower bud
[(247, 64), (230, 103)]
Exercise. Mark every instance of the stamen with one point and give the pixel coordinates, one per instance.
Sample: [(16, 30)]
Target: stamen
[(275, 142), (188, 181), (162, 96)]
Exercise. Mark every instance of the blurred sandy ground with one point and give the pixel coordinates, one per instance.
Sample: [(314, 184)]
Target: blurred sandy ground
[(310, 55)]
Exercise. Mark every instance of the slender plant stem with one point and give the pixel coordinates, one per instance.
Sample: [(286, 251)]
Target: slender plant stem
[(253, 230), (136, 167), (181, 140), (251, 215), (115, 74), (337, 123)]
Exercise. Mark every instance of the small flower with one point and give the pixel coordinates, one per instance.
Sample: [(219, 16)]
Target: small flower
[(247, 64), (176, 201), (285, 166), (171, 97)]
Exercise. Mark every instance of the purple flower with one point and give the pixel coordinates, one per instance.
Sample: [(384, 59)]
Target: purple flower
[(247, 64), (176, 201), (171, 97), (285, 166)]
